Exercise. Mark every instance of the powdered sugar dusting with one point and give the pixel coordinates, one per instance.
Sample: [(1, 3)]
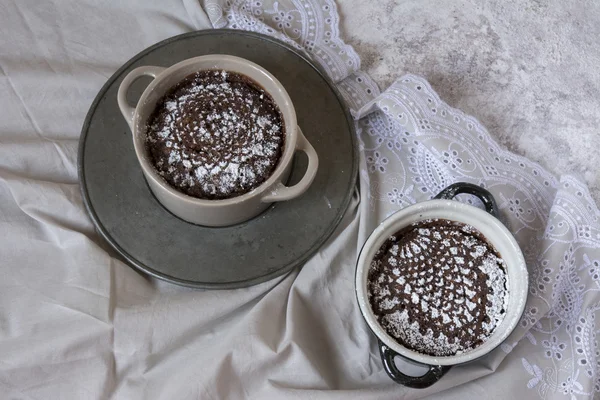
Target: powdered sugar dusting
[(449, 290), (216, 135)]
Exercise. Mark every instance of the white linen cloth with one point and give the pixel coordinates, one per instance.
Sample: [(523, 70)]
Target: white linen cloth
[(76, 323)]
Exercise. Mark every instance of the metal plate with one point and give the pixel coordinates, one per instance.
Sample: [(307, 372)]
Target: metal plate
[(154, 241)]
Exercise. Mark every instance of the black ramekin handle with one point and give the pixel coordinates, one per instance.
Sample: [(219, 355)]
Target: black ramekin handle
[(463, 187), (418, 382)]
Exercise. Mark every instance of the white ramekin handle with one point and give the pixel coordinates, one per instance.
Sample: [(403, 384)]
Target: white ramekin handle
[(124, 106), (280, 192)]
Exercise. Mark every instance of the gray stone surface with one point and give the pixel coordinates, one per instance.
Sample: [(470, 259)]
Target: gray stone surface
[(528, 70)]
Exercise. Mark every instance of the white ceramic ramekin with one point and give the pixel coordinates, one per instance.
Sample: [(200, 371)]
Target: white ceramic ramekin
[(236, 209), (493, 230)]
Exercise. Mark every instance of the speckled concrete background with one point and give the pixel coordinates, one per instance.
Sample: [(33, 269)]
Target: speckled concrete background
[(528, 70)]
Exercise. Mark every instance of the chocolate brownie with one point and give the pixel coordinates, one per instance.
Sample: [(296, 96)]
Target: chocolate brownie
[(438, 287), (215, 135)]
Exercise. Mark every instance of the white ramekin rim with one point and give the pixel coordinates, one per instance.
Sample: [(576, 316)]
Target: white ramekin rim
[(286, 106), (494, 231)]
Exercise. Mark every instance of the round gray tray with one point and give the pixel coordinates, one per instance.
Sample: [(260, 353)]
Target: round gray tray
[(152, 240)]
